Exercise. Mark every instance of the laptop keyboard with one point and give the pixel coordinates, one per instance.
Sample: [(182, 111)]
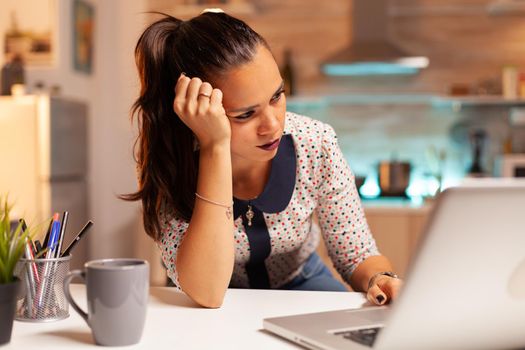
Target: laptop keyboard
[(365, 336)]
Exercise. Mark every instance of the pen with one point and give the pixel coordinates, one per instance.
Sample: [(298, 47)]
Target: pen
[(32, 279), (47, 277), (30, 254), (63, 224), (32, 271), (48, 232), (77, 238), (38, 246), (29, 249), (29, 298), (53, 237)]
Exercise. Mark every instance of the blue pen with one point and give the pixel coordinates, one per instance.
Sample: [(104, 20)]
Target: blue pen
[(53, 237), (63, 225), (47, 279)]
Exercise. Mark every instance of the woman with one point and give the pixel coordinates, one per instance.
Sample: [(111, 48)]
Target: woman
[(214, 127)]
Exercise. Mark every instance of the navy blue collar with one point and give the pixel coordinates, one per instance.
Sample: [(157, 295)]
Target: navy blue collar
[(279, 189)]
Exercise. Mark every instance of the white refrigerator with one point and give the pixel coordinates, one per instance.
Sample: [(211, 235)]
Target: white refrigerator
[(44, 161)]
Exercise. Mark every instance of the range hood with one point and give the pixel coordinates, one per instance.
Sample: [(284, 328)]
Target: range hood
[(506, 7), (371, 52)]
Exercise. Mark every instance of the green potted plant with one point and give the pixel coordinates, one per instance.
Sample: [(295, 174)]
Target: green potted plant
[(12, 243)]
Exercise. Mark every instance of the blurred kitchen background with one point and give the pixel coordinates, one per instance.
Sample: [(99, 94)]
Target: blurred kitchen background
[(422, 94)]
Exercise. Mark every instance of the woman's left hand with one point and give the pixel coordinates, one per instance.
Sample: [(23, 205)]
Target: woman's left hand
[(384, 290)]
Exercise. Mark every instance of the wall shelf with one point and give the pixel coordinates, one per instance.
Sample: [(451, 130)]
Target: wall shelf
[(436, 101), (457, 103)]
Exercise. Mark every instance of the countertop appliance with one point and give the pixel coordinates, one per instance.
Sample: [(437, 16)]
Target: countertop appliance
[(477, 139), (510, 165), (394, 178)]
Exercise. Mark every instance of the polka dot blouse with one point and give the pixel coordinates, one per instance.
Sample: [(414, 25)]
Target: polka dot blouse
[(309, 176)]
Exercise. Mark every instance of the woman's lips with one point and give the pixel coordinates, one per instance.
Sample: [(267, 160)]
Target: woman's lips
[(270, 146)]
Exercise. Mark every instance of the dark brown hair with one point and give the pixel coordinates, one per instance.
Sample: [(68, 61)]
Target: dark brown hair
[(207, 46)]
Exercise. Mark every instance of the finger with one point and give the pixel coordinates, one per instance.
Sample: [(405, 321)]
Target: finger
[(391, 287), (203, 98), (180, 93), (376, 296), (206, 88), (216, 97), (193, 89), (181, 86)]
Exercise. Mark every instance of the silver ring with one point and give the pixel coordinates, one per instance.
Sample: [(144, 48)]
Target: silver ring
[(203, 94)]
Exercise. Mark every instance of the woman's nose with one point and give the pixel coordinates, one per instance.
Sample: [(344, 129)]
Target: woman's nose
[(269, 122)]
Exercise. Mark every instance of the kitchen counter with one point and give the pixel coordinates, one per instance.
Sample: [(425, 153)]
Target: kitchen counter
[(396, 205)]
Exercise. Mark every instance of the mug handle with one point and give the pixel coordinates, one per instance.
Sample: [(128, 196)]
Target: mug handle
[(70, 275)]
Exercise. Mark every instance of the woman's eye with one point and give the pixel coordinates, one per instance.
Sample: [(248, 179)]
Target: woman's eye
[(249, 114), (244, 116), (278, 96)]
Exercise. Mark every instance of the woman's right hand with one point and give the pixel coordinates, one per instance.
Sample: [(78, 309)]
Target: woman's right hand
[(199, 106)]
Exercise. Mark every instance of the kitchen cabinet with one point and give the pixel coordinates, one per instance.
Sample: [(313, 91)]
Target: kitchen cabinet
[(397, 232)]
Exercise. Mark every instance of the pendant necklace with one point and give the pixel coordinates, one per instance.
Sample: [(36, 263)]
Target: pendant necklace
[(249, 214)]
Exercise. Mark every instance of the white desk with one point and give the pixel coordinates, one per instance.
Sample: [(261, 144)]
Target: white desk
[(175, 322)]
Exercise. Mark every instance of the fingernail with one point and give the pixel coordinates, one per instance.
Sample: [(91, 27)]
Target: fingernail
[(182, 74), (380, 298)]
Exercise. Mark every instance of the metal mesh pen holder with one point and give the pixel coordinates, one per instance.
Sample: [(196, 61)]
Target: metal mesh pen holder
[(42, 298)]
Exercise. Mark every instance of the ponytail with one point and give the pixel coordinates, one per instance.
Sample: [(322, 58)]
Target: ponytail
[(206, 46)]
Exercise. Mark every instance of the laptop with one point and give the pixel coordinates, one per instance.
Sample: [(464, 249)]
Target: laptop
[(465, 287)]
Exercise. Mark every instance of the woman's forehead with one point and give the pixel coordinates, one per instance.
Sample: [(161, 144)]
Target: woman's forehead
[(251, 83)]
